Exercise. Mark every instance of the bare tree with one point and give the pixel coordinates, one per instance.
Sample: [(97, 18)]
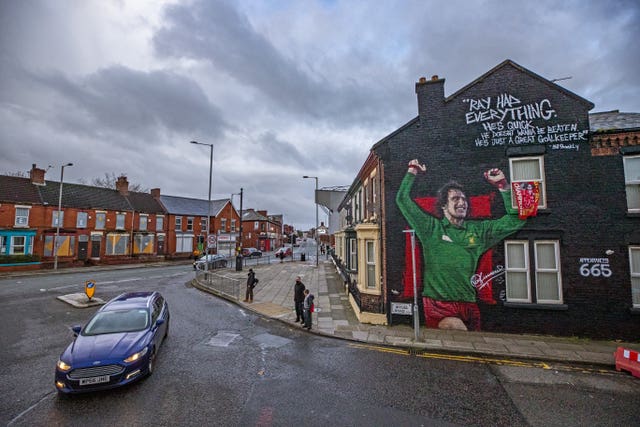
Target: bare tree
[(109, 181)]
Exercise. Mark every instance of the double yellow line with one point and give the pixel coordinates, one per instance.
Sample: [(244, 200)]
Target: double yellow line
[(474, 359)]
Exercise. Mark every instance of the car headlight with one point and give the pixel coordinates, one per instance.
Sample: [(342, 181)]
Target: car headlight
[(63, 366), (136, 356)]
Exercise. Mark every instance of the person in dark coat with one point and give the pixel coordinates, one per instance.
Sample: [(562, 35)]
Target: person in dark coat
[(251, 283), (298, 299), (307, 308)]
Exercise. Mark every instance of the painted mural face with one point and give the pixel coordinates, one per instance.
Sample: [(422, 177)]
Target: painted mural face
[(456, 208)]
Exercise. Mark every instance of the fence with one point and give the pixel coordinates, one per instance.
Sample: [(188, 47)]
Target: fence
[(221, 283)]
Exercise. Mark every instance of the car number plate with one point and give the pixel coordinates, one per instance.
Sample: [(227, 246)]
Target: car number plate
[(94, 380)]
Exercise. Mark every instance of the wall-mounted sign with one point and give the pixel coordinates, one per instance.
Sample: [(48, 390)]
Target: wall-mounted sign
[(89, 288), (595, 267), (401, 308)]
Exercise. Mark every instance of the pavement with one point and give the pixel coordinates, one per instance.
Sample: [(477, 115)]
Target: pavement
[(335, 317)]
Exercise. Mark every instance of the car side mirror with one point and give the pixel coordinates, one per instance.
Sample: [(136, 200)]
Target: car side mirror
[(76, 330), (159, 322)]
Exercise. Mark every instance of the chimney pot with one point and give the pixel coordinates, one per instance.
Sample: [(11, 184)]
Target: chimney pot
[(423, 80), (434, 77)]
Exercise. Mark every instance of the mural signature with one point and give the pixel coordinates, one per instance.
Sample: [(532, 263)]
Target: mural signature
[(481, 280)]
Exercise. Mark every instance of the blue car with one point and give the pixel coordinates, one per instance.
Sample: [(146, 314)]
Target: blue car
[(117, 346)]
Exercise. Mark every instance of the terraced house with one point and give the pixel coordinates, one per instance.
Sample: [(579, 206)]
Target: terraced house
[(507, 206)]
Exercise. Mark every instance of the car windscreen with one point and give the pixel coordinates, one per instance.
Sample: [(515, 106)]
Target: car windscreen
[(109, 322)]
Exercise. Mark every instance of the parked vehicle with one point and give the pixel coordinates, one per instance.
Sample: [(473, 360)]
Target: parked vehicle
[(283, 252), (215, 261), (251, 252), (117, 346)]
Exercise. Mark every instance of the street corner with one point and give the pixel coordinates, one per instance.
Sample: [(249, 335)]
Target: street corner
[(80, 300)]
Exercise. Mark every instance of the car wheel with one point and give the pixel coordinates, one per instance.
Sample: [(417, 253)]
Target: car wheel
[(152, 359)]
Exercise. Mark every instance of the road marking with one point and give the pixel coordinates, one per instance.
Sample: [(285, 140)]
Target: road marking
[(21, 414), (458, 358)]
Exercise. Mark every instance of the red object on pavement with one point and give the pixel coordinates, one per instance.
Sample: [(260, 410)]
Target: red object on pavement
[(628, 360)]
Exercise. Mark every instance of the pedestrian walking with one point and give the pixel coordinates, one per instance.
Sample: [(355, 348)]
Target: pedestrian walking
[(308, 309), (298, 299), (251, 283)]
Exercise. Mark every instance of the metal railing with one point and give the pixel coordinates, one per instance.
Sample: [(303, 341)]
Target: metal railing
[(221, 283)]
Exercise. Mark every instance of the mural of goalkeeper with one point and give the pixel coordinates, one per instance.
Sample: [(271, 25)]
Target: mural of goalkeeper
[(452, 246)]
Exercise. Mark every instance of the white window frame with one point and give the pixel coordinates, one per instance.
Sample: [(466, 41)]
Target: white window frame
[(370, 259), (223, 224), (634, 270), (22, 220), (541, 179), (556, 270), (82, 219), (14, 245), (537, 270), (353, 254), (632, 183), (510, 269), (189, 223), (178, 223), (233, 225)]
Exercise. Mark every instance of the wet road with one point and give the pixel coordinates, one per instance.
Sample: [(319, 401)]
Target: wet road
[(222, 365)]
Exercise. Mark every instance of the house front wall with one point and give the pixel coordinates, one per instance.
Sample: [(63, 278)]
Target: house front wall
[(563, 270)]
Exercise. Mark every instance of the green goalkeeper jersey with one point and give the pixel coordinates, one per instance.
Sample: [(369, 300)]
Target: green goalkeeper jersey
[(450, 253)]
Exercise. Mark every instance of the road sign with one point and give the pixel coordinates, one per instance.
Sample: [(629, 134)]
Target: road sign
[(89, 288), (211, 239)]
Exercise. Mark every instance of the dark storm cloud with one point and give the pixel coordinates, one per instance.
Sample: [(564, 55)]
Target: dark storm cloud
[(217, 33), (120, 100)]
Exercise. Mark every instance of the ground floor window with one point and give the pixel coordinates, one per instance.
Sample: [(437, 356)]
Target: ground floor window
[(143, 244), (634, 267), (117, 244), (533, 271), (184, 243), (353, 254), (16, 243), (65, 247), (371, 263)]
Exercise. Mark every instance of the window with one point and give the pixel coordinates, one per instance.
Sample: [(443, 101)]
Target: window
[(547, 282), (101, 219), (159, 222), (233, 225), (528, 169), (3, 245), (262, 227), (634, 267), (117, 244), (144, 219), (22, 216), (190, 223), (179, 223), (256, 224), (65, 246), (632, 182), (143, 244), (81, 220), (371, 264), (353, 255), (18, 245), (120, 221), (57, 215), (184, 243), (223, 224), (203, 223)]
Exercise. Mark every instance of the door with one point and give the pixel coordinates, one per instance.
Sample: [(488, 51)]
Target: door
[(83, 245), (160, 244), (95, 246)]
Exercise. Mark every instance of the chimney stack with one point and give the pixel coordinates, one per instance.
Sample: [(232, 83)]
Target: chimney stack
[(36, 175), (122, 185), (155, 193), (430, 96)]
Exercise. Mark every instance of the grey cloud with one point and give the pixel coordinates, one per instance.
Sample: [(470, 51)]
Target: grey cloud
[(218, 33)]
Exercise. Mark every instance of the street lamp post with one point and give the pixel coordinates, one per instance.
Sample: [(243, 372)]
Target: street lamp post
[(55, 242), (239, 251), (316, 200), (206, 252)]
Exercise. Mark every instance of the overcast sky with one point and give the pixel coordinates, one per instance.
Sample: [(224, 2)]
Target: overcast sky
[(281, 88)]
